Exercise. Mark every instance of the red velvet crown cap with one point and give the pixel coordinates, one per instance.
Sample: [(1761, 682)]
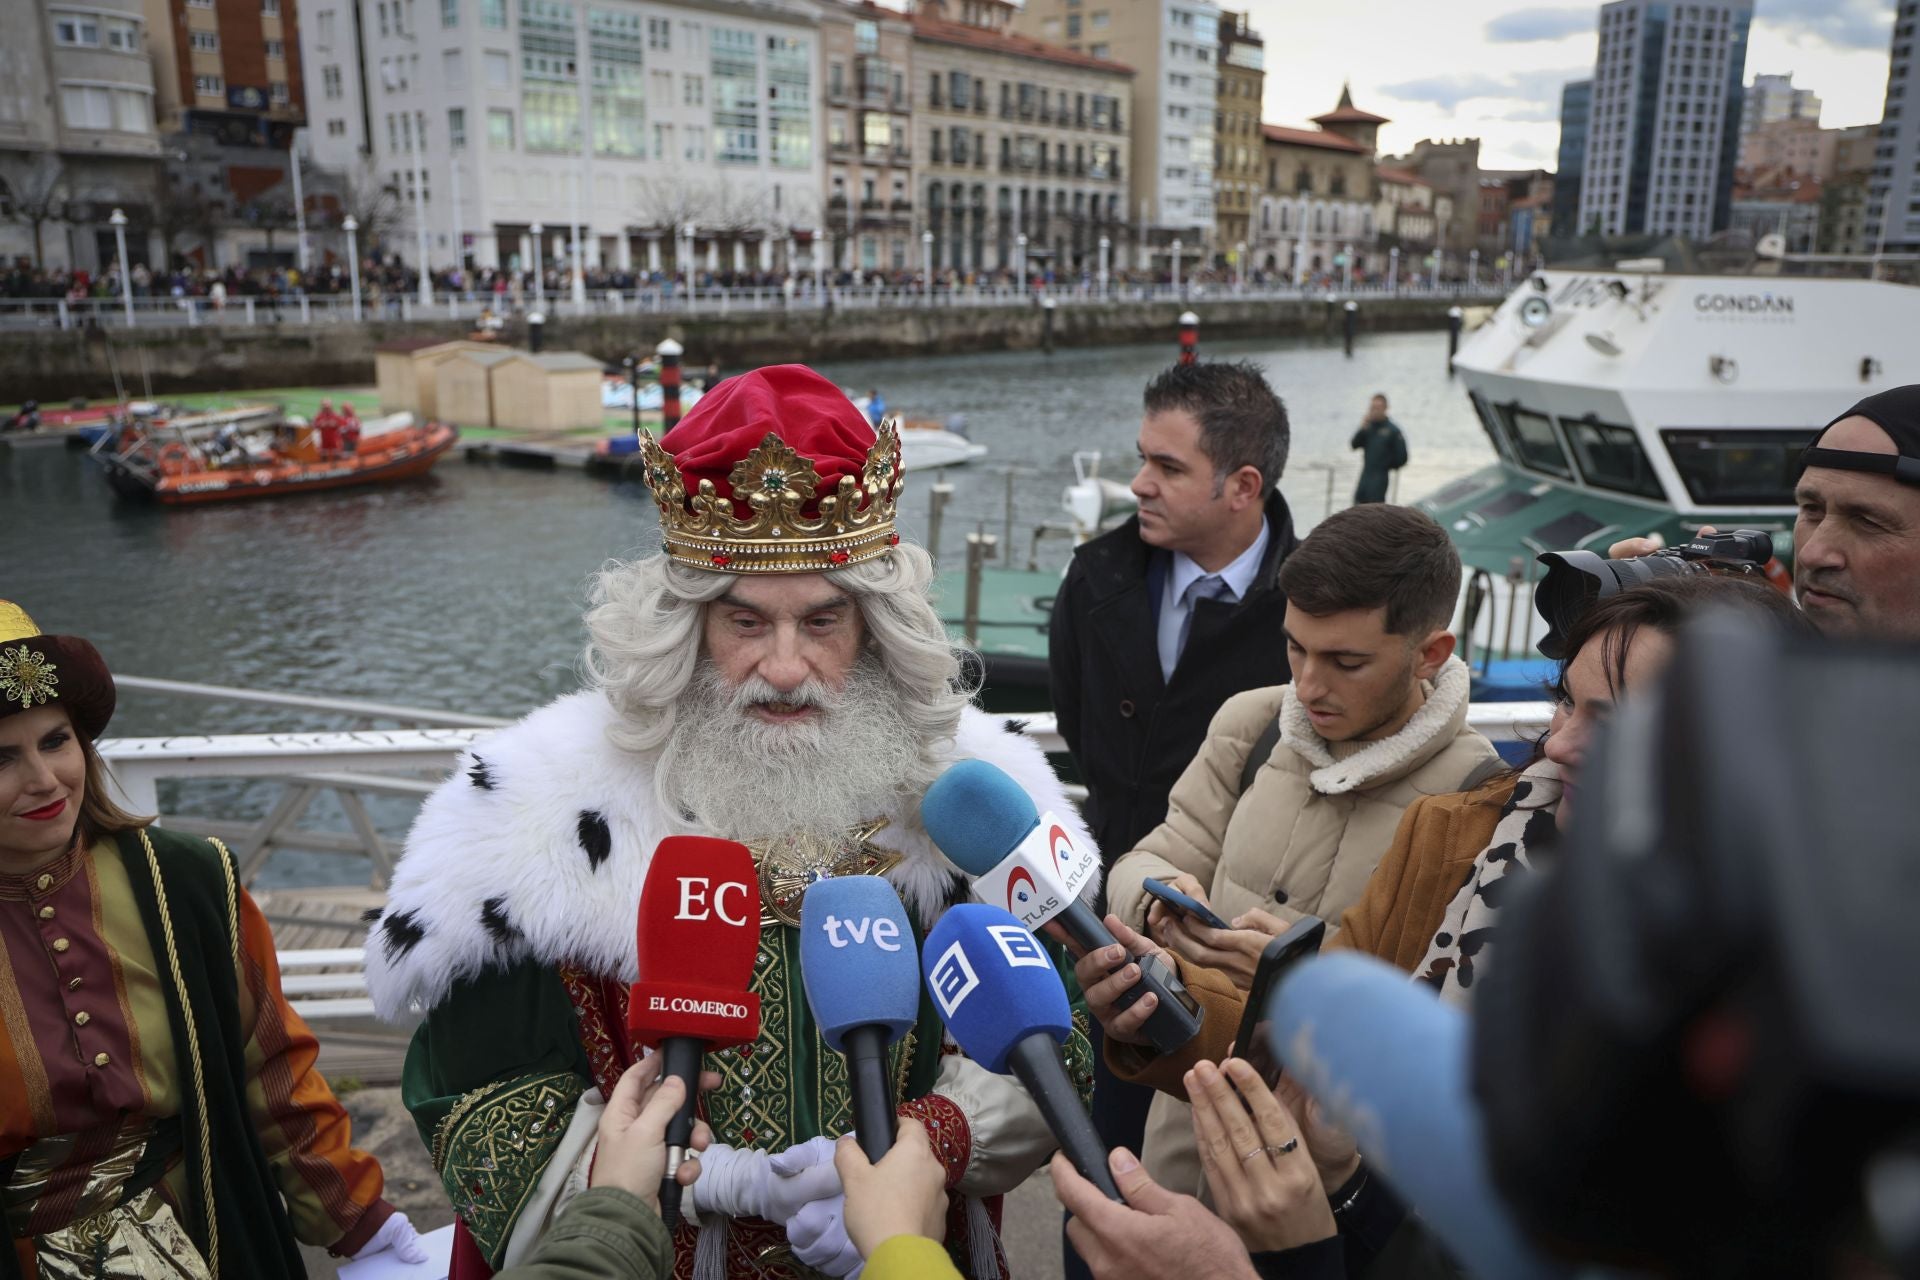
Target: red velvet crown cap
[(809, 413)]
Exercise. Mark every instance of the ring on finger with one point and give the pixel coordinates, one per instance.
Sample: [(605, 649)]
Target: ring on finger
[(1285, 1148), (1257, 1151)]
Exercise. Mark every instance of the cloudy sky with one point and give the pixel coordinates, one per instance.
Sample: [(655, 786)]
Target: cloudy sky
[(1493, 70)]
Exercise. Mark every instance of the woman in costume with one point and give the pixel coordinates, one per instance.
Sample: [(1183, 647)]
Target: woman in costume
[(160, 1115)]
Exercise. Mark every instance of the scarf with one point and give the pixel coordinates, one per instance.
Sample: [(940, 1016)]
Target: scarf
[(1467, 925)]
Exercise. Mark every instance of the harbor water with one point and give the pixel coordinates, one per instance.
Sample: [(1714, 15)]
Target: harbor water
[(463, 592)]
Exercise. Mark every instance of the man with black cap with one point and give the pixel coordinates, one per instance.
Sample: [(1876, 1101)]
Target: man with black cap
[(1856, 539)]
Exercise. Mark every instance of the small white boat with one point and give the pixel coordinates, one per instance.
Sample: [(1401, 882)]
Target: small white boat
[(923, 448)]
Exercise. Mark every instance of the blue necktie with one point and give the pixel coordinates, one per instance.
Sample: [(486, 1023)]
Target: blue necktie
[(1210, 587)]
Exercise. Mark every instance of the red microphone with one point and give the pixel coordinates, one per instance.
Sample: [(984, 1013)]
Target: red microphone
[(699, 930)]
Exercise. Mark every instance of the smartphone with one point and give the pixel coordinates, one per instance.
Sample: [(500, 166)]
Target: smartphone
[(1185, 904), (1252, 1043)]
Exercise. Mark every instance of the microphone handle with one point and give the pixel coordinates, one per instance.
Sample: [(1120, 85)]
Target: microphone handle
[(874, 1120), (684, 1055), (1036, 1061), (1176, 1020)]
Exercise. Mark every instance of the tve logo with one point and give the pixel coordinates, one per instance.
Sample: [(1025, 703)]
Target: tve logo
[(953, 979), (695, 891), (886, 933), (1019, 947)]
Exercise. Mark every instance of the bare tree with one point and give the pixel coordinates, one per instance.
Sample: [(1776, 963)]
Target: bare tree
[(180, 207), (369, 201), (739, 209), (271, 211), (33, 190), (671, 203)]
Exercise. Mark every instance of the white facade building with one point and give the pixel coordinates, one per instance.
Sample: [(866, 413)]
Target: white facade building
[(1893, 196), (1665, 124), (1772, 98), (704, 118)]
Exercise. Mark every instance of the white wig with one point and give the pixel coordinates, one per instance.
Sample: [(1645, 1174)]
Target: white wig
[(644, 641)]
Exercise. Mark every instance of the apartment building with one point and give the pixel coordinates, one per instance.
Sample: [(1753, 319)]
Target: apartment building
[(1174, 47), (78, 133), (1020, 146), (1664, 134), (1238, 166), (868, 52), (704, 118)]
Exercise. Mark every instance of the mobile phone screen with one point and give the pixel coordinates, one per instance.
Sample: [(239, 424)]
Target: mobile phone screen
[(1253, 1043)]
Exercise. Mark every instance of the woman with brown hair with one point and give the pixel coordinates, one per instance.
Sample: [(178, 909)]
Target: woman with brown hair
[(160, 1115)]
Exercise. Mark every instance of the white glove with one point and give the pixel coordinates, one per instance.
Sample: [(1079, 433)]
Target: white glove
[(743, 1183), (818, 1234), (397, 1234)]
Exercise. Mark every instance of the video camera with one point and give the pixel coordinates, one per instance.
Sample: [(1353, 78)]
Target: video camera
[(1576, 579), (1700, 1049)]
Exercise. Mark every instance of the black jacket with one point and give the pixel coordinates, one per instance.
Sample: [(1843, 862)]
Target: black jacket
[(1131, 731)]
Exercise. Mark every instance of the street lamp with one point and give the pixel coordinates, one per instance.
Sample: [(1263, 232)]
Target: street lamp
[(1020, 259), (1346, 268), (119, 221), (539, 266), (1240, 265), (1106, 247), (926, 260), (1473, 270), (1393, 270), (353, 261), (1176, 247)]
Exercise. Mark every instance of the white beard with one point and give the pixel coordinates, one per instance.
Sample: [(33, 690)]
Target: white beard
[(742, 778)]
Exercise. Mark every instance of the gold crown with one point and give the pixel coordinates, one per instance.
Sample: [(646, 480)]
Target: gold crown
[(854, 523)]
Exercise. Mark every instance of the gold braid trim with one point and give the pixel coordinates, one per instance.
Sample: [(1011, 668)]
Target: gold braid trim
[(493, 1146), (205, 1134)]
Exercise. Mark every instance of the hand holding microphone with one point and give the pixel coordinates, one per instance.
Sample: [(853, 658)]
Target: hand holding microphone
[(698, 933), (1028, 865), (1006, 1008)]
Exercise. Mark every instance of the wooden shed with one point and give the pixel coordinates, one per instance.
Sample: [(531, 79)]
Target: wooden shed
[(463, 386), (406, 371), (555, 392)]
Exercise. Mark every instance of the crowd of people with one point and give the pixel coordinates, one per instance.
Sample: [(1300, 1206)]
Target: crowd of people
[(1272, 730)]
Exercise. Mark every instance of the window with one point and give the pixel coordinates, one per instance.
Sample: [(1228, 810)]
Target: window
[(456, 127), (453, 68), (86, 107), (276, 48), (660, 34), (499, 129), (330, 85), (499, 70), (203, 41), (694, 91), (1611, 457), (1100, 21), (493, 14), (123, 35), (325, 28), (277, 93), (383, 17), (1743, 467), (790, 102), (449, 13), (214, 85), (1534, 442), (736, 96), (336, 128), (1101, 51), (78, 31)]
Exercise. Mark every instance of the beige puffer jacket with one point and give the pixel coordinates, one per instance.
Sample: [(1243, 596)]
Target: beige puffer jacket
[(1301, 841)]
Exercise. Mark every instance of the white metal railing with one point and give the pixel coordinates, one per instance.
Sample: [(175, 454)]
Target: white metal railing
[(662, 299), (405, 763)]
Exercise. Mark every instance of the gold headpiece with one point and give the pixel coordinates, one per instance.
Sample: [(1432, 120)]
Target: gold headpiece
[(851, 524)]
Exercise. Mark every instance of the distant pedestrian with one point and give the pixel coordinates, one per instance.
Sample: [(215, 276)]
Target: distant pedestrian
[(876, 406), (1385, 447), (349, 428)]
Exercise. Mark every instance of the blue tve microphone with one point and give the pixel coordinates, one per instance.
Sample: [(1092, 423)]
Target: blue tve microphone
[(1388, 1061), (863, 984), (1027, 862), (996, 987)]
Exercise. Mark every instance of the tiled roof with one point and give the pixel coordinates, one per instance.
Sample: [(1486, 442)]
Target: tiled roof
[(1404, 177), (1312, 138), (1350, 115), (944, 32)]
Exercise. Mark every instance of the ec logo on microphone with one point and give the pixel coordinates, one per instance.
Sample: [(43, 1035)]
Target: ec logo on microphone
[(952, 979)]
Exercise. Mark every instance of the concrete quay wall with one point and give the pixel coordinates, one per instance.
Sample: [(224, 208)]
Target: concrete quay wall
[(54, 365)]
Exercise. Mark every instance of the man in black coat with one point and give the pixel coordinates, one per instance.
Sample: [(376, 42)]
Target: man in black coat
[(1162, 620), (1384, 451)]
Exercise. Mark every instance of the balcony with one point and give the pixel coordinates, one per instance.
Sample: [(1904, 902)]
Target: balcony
[(901, 156), (837, 94), (839, 150)]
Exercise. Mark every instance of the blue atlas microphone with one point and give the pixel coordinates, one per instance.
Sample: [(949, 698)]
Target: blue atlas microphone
[(1027, 862), (1388, 1061), (1006, 1008), (863, 984)]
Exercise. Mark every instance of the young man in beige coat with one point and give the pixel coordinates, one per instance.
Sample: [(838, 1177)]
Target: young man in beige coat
[(1298, 789)]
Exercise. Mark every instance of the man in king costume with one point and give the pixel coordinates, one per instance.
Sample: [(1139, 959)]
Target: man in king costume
[(776, 676)]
